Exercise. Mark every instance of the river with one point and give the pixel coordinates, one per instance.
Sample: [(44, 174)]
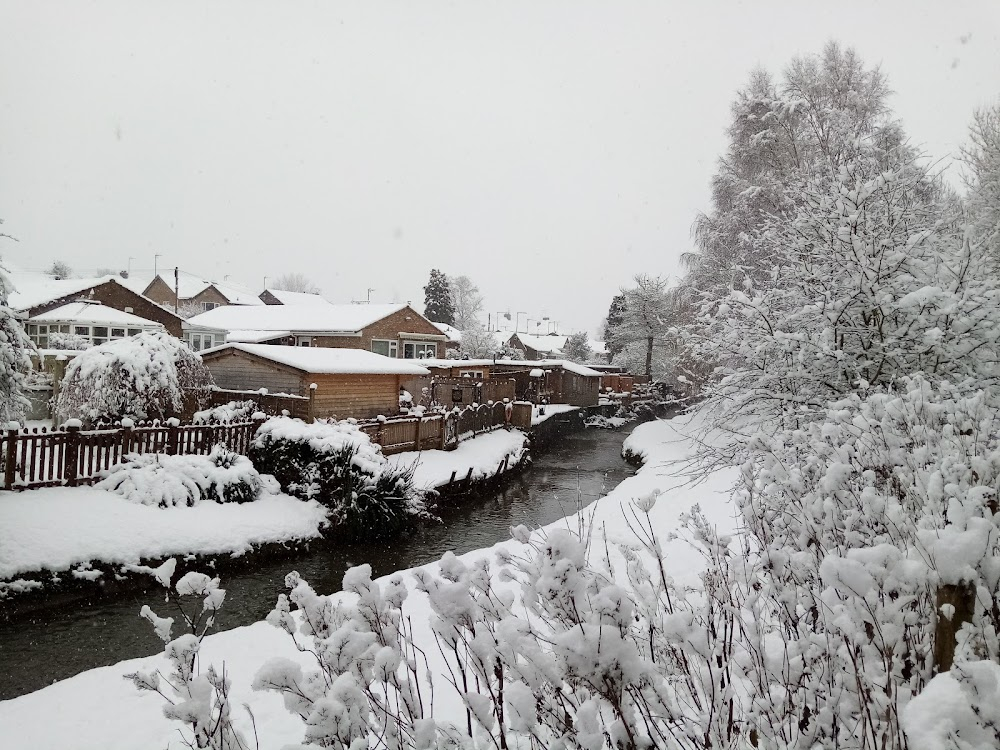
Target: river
[(50, 644)]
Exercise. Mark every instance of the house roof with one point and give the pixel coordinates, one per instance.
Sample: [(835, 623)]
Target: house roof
[(190, 285), (548, 344), (94, 312), (453, 334), (254, 337), (297, 298), (31, 289), (303, 318), (565, 364), (326, 361)]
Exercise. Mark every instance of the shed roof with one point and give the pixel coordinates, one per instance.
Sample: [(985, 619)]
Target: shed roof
[(565, 364), (311, 318), (94, 312), (324, 360)]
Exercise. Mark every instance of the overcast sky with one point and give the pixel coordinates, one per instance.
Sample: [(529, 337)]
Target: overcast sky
[(548, 150)]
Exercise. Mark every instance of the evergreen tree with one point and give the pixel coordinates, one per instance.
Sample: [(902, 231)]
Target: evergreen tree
[(612, 324), (15, 364), (437, 299)]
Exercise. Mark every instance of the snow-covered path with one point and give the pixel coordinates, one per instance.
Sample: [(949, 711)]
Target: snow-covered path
[(98, 709)]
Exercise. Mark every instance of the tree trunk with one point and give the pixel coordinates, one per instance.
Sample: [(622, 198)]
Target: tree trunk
[(963, 598), (649, 357)]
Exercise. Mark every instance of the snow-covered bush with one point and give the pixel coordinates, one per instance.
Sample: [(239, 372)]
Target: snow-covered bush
[(234, 411), (198, 700), (337, 464), (68, 341), (144, 376), (168, 481), (15, 362)]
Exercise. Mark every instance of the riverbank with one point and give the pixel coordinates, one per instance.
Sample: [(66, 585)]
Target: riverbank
[(133, 720)]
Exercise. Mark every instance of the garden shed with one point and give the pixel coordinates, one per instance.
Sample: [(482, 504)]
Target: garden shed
[(349, 382)]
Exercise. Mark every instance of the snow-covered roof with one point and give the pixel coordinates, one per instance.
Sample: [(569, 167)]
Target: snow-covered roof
[(254, 337), (327, 361), (597, 347), (32, 289), (296, 318), (297, 298), (189, 285), (565, 364), (569, 366), (549, 344), (451, 332), (94, 312)]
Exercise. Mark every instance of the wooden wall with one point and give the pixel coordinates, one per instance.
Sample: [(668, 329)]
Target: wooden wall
[(234, 370), (358, 396)]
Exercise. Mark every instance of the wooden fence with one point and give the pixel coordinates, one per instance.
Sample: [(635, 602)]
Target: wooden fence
[(38, 457)]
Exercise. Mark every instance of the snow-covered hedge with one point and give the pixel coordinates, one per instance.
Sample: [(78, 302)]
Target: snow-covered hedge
[(167, 481), (141, 377), (234, 411), (337, 464)]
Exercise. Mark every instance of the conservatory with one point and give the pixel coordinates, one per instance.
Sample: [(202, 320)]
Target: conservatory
[(78, 325)]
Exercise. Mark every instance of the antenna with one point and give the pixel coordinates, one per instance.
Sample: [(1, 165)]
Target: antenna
[(370, 290), (155, 258)]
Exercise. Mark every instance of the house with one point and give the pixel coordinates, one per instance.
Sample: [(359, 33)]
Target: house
[(392, 330), (38, 293), (282, 297), (189, 291), (86, 323), (538, 347), (348, 382), (454, 335)]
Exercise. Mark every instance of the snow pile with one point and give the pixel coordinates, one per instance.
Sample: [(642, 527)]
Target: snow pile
[(56, 528), (337, 464), (483, 456), (167, 481)]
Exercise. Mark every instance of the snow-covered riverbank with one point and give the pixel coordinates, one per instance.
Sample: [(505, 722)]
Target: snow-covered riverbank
[(133, 720)]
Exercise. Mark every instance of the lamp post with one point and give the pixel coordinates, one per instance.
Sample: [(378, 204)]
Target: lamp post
[(517, 322), (155, 258)]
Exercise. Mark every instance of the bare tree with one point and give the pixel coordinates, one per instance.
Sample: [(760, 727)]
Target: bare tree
[(466, 300), (60, 270), (295, 282)]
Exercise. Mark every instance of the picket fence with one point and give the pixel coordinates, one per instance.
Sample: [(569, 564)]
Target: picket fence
[(71, 456)]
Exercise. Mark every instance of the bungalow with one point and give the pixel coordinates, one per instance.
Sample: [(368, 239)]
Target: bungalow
[(341, 383), (38, 293), (392, 330), (77, 325), (189, 291)]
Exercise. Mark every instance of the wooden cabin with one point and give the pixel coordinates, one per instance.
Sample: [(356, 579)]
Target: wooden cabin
[(349, 382)]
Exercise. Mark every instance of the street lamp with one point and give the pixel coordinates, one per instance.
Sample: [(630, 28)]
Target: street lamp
[(496, 319), (155, 258), (517, 322)]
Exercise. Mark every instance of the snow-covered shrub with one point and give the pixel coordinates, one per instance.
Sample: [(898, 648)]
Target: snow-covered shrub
[(198, 700), (337, 464), (144, 376), (68, 341), (168, 481), (234, 411), (15, 362)]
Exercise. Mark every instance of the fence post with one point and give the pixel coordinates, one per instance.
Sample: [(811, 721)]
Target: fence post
[(416, 438), (126, 436), (10, 458), (173, 435), (444, 431), (71, 453), (312, 401)]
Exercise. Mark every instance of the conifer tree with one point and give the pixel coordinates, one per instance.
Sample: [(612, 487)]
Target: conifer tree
[(437, 299)]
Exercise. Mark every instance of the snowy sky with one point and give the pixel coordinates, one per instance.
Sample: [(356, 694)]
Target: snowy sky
[(549, 150)]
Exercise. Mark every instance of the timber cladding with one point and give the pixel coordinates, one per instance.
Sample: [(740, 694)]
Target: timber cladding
[(341, 395), (119, 297), (393, 327)]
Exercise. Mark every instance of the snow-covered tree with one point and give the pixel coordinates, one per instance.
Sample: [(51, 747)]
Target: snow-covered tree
[(466, 301), (643, 324), (437, 299), (577, 347), (478, 343), (15, 360), (295, 282), (141, 377), (612, 322), (60, 270), (982, 160)]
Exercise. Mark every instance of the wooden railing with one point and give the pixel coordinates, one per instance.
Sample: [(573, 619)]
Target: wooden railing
[(434, 431), (38, 457)]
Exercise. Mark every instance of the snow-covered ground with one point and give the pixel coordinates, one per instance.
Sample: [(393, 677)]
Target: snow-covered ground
[(550, 411), (57, 528), (100, 710), (483, 454)]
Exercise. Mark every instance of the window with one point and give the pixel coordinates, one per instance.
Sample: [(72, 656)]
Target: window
[(385, 348), (82, 330), (413, 350), (134, 331), (471, 374), (210, 305), (303, 341), (100, 332), (117, 333)]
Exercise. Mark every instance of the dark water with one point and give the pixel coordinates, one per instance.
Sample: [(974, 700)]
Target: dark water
[(55, 643)]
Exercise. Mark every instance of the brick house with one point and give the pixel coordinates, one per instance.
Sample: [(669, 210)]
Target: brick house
[(191, 291), (538, 347), (392, 330), (37, 293), (282, 297)]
